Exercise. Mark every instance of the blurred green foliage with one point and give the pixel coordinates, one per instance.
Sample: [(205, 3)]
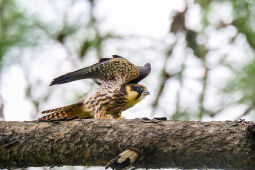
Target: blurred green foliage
[(14, 27), (243, 82), (243, 79), (184, 115), (244, 14)]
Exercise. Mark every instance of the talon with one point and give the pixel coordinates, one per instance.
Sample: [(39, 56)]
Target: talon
[(123, 160)]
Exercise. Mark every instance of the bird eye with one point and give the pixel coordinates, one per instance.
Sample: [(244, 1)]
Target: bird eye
[(139, 89)]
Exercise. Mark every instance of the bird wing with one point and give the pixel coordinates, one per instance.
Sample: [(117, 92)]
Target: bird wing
[(117, 68)]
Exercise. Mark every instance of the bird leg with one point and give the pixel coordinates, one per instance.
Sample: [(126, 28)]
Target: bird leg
[(125, 159)]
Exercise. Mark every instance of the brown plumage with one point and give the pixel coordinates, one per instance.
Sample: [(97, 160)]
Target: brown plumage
[(117, 69), (117, 90), (66, 112)]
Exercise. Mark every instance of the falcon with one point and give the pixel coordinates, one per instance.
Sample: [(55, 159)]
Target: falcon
[(118, 90)]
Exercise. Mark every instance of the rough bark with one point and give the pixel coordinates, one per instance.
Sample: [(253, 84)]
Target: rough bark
[(163, 144)]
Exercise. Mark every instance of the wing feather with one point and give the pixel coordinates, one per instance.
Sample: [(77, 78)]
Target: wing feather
[(116, 68)]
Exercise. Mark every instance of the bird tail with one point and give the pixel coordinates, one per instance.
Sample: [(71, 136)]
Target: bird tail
[(66, 112)]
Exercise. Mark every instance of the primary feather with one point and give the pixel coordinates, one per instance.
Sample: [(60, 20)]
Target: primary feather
[(117, 69)]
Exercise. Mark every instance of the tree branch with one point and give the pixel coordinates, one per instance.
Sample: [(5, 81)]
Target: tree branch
[(95, 142)]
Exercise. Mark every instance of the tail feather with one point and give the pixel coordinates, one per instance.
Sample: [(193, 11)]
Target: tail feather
[(54, 116), (69, 112), (65, 108)]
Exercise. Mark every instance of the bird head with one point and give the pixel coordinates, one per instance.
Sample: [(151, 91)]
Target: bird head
[(135, 93)]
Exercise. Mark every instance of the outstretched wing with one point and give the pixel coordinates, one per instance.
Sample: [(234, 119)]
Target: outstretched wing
[(116, 68)]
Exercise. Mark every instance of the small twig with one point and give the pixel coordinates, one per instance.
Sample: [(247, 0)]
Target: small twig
[(178, 97), (1, 107), (203, 92), (165, 76)]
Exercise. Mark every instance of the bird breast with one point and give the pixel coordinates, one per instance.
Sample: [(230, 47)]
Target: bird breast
[(113, 101)]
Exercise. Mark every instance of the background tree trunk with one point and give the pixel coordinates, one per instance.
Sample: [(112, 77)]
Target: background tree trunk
[(94, 142)]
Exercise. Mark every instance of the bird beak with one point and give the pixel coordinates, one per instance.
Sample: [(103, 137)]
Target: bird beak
[(145, 92)]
